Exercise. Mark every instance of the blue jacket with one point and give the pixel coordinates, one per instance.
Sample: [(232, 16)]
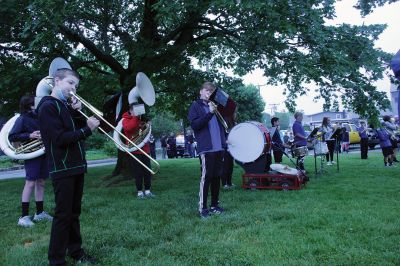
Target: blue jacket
[(199, 119), (24, 126), (384, 138), (63, 131)]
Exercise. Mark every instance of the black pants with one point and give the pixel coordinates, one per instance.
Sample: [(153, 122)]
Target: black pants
[(228, 169), (141, 174), (65, 230), (278, 156), (364, 148), (211, 171), (331, 149)]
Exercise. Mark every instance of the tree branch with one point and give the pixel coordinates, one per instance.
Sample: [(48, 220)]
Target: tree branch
[(100, 55)]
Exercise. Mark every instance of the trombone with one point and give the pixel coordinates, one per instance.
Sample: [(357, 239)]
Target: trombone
[(219, 117), (99, 114)]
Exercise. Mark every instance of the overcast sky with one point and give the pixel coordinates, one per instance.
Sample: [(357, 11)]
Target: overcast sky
[(389, 41)]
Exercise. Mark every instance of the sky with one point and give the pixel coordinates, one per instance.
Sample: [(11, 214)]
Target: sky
[(389, 41)]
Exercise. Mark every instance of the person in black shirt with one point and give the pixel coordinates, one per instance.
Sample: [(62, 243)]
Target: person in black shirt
[(277, 144), (63, 130), (171, 146), (163, 141)]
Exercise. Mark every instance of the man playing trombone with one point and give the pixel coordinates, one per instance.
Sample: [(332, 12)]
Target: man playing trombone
[(63, 130), (211, 142)]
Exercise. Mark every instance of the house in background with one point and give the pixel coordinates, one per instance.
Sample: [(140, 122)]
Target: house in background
[(336, 117)]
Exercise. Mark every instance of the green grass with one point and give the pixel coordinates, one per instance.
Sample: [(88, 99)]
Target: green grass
[(96, 155), (6, 162), (349, 217)]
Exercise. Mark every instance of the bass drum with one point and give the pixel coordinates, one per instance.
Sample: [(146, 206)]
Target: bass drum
[(248, 141)]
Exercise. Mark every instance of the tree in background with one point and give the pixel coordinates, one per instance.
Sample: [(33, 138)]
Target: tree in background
[(110, 41), (164, 123), (284, 119), (266, 119), (289, 40)]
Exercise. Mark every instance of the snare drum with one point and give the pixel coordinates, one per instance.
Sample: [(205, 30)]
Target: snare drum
[(320, 148), (300, 151), (248, 141)]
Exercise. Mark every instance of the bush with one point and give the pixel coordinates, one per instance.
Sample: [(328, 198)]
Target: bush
[(109, 148), (95, 141)]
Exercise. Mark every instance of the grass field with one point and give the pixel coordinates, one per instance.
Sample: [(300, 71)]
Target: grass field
[(349, 217), (6, 162)]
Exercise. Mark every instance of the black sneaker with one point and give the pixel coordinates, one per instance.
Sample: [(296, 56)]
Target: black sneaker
[(216, 210), (86, 259), (205, 213)]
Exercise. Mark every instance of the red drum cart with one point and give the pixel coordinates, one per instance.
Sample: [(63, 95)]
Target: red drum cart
[(272, 180), (249, 143)]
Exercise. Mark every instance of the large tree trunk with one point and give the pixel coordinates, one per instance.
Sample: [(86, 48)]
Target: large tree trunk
[(122, 170)]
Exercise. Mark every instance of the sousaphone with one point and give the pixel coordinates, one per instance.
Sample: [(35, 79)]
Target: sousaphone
[(145, 91), (33, 148)]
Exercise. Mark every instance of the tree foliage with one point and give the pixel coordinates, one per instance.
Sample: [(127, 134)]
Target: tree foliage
[(113, 40), (165, 123)]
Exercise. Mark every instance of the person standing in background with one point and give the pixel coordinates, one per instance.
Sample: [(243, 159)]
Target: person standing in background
[(152, 143), (26, 128), (362, 131), (277, 144), (163, 141)]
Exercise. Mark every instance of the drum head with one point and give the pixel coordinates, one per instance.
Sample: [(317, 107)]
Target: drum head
[(246, 142), (284, 169)]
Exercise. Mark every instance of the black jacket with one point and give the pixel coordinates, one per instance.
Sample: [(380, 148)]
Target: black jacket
[(63, 131)]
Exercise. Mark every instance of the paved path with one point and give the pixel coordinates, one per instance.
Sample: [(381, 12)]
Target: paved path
[(20, 173)]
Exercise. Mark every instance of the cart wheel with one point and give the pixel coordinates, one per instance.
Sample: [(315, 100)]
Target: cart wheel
[(285, 186), (253, 184)]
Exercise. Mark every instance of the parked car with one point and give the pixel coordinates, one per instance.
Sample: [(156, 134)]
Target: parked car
[(354, 137), (180, 145), (372, 138)]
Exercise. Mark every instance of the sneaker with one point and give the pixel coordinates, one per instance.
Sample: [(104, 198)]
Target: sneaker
[(328, 163), (140, 195), (148, 194), (43, 216), (25, 221), (333, 162), (216, 210), (86, 259), (205, 213), (226, 187)]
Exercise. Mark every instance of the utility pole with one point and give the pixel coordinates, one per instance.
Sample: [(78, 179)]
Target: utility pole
[(274, 107)]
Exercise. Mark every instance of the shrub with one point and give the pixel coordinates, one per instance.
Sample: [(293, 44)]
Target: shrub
[(109, 148), (95, 141)]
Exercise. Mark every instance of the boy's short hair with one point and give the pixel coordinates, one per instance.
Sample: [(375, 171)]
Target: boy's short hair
[(63, 72), (386, 118), (209, 85), (273, 120), (297, 114)]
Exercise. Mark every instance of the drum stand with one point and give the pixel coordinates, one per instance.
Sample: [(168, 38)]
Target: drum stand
[(337, 153), (322, 162), (335, 136)]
